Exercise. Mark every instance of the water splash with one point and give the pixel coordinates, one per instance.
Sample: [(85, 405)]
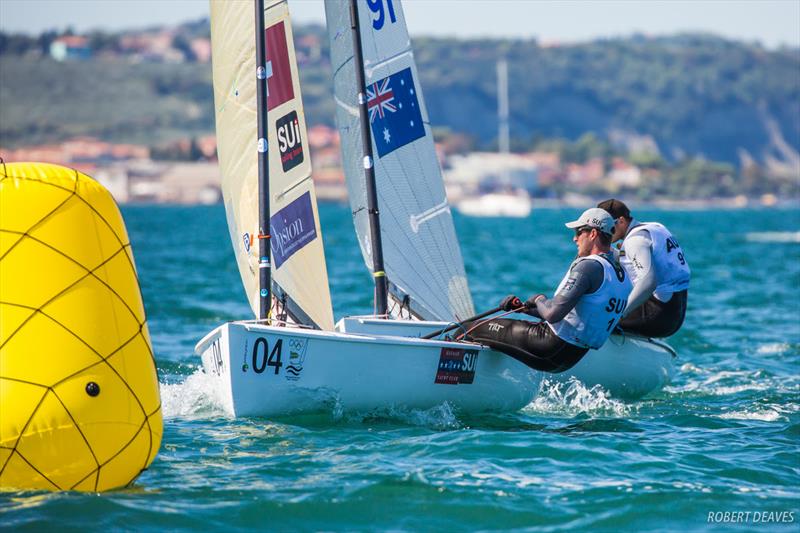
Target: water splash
[(440, 417), (765, 415), (198, 395), (573, 398), (713, 382), (689, 368), (773, 348)]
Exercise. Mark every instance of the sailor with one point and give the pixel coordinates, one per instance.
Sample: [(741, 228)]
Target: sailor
[(658, 268), (586, 306)]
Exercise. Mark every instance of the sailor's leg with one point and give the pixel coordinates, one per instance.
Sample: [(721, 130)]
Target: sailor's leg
[(655, 318), (532, 343), (637, 320), (673, 314)]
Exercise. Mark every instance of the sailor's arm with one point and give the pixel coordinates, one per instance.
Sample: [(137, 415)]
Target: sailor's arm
[(585, 277), (638, 248)]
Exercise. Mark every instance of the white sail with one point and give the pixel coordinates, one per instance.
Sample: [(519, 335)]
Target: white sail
[(300, 277), (422, 258)]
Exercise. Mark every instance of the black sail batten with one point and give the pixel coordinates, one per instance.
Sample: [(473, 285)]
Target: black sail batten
[(378, 271), (293, 310), (402, 305), (264, 266)]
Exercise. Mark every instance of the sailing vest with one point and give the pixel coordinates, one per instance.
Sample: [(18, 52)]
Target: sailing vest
[(591, 321), (671, 268)]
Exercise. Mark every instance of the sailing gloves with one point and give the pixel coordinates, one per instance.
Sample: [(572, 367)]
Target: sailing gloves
[(530, 303), (512, 302)]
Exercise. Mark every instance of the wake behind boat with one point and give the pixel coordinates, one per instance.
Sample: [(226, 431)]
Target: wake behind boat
[(293, 359)]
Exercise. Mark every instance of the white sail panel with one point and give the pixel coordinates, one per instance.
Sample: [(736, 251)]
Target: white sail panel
[(298, 261), (422, 257)]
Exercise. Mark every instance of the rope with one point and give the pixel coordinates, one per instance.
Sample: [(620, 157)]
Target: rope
[(484, 321)]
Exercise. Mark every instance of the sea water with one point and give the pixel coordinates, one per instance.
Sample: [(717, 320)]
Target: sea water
[(717, 448)]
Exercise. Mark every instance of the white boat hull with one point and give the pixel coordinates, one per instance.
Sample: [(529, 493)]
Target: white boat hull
[(370, 364), (276, 371), (627, 366)]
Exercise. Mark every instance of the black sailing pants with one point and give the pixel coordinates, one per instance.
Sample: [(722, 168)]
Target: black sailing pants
[(532, 343), (655, 318)]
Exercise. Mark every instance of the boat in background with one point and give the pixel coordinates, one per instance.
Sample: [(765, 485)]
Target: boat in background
[(514, 203), (505, 199)]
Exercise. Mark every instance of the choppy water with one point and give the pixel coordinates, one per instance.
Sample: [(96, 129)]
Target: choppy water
[(724, 437)]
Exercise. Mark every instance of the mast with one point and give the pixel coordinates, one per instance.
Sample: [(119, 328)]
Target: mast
[(503, 143), (502, 106), (264, 268), (378, 273)]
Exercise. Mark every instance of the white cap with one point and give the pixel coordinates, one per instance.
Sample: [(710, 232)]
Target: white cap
[(594, 218)]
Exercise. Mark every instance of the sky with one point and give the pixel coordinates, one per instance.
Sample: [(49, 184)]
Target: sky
[(774, 23)]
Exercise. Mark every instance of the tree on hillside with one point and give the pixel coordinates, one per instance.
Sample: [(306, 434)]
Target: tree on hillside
[(182, 44)]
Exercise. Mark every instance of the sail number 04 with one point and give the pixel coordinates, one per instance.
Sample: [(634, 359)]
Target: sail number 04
[(376, 6), (260, 359)]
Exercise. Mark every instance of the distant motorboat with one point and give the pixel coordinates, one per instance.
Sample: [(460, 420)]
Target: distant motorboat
[(513, 204)]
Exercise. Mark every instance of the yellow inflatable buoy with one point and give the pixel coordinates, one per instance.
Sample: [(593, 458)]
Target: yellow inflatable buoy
[(79, 400)]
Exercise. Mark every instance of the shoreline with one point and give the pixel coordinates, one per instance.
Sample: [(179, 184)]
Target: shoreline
[(548, 204)]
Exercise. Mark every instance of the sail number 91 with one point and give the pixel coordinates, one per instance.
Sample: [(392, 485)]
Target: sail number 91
[(376, 6), (260, 359)]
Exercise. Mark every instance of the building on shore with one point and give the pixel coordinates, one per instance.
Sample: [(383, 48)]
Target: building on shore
[(70, 48)]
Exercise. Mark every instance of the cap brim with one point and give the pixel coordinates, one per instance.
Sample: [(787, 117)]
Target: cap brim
[(574, 224)]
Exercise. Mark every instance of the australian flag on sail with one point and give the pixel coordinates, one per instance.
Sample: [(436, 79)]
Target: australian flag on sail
[(394, 113)]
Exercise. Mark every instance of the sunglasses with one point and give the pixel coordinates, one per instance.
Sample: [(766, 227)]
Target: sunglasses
[(583, 229)]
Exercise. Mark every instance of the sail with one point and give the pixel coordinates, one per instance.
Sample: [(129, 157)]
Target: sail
[(299, 273), (422, 258)]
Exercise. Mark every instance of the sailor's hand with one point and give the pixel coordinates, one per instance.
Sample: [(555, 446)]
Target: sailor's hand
[(510, 303), (530, 303)]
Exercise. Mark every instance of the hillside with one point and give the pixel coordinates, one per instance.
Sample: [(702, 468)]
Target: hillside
[(691, 95)]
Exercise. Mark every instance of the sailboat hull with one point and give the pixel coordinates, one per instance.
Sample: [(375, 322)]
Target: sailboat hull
[(626, 366), (275, 371), (370, 364)]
